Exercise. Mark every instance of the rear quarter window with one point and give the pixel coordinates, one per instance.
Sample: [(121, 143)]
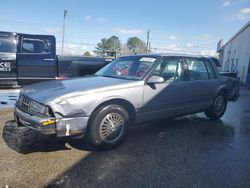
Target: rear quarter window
[(210, 70)]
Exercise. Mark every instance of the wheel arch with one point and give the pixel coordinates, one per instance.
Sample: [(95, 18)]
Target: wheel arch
[(222, 90), (118, 101)]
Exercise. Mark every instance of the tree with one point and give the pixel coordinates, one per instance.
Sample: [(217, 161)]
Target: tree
[(136, 45), (101, 47), (125, 50), (87, 53), (111, 45)]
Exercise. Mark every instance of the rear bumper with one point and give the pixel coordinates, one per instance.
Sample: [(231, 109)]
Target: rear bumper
[(61, 127), (234, 94), (234, 98)]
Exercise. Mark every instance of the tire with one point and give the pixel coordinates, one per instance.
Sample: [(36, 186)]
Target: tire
[(108, 126), (218, 108)]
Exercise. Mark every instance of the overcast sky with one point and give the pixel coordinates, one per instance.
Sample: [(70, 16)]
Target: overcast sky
[(176, 25)]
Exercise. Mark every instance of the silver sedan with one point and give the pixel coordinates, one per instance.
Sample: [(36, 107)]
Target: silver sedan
[(130, 89)]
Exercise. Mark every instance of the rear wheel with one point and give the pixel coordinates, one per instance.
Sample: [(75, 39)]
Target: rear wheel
[(218, 108), (108, 126)]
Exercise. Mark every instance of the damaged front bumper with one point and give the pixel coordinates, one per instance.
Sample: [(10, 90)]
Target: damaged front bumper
[(48, 125)]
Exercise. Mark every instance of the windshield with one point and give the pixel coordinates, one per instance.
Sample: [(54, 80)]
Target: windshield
[(128, 68), (7, 44)]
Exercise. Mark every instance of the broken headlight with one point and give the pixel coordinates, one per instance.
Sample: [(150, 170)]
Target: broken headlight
[(37, 107)]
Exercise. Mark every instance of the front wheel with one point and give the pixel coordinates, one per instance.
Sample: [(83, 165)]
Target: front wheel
[(108, 126), (218, 108)]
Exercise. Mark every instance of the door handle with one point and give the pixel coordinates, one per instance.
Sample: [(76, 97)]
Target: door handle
[(48, 59)]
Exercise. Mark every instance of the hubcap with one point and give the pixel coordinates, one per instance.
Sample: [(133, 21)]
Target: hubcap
[(112, 127), (219, 105)]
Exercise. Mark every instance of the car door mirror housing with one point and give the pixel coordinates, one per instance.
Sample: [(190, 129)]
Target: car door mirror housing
[(155, 79)]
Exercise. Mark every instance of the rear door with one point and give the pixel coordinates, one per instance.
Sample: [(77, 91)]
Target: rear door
[(36, 59), (202, 82), (8, 47)]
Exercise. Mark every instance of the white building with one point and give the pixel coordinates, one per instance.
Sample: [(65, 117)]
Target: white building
[(235, 54)]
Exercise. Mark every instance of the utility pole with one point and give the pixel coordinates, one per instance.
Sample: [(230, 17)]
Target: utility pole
[(64, 17), (149, 48), (147, 41)]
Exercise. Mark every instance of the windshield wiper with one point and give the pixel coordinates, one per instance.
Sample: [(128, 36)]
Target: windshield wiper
[(118, 77), (110, 76)]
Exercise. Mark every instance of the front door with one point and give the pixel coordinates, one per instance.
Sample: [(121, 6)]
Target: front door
[(36, 59), (169, 98), (8, 73)]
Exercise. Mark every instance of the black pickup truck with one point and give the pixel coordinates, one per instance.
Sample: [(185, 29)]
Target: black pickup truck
[(27, 59)]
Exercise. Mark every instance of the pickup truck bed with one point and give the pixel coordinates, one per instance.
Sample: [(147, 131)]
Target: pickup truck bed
[(72, 66)]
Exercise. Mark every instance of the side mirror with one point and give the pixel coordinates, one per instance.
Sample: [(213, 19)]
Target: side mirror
[(155, 79)]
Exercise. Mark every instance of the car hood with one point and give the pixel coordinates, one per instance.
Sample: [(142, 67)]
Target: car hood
[(47, 91)]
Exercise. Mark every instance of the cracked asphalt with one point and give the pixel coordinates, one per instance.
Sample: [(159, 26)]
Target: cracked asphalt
[(189, 151)]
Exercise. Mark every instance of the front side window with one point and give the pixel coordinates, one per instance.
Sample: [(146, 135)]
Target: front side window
[(32, 45), (7, 44), (134, 68), (196, 69), (170, 69)]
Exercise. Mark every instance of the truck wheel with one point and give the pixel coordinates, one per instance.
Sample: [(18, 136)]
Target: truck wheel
[(108, 126), (218, 108)]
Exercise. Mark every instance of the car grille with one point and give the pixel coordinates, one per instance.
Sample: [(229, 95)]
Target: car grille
[(24, 103)]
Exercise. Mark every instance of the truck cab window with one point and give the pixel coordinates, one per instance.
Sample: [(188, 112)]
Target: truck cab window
[(30, 45)]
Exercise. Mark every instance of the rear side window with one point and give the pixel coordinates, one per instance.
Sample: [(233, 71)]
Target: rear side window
[(7, 44), (196, 68), (32, 45), (210, 70)]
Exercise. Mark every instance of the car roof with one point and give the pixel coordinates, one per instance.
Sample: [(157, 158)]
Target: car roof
[(165, 55), (8, 33)]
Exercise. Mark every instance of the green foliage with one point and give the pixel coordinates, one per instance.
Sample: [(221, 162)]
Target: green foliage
[(136, 45), (107, 46), (87, 54)]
